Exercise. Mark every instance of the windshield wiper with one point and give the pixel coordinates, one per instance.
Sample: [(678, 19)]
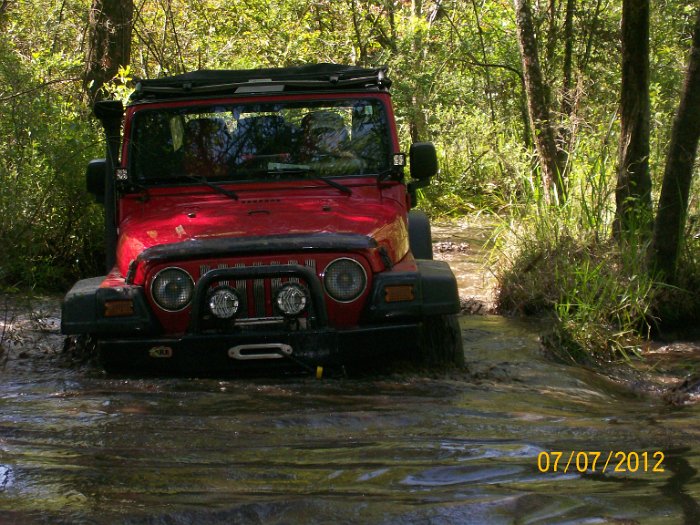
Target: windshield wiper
[(302, 169), (216, 187), (333, 183)]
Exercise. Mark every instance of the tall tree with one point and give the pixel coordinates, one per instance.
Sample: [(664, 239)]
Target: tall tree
[(673, 202), (537, 100), (633, 191), (418, 119), (110, 43), (565, 131), (4, 7), (567, 96)]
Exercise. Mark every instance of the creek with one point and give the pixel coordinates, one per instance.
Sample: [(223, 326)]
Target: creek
[(475, 446)]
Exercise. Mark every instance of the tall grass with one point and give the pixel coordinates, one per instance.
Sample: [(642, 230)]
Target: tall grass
[(561, 260), (479, 163)]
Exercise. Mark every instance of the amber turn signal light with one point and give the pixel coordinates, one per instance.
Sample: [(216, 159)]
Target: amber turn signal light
[(120, 308), (399, 292)]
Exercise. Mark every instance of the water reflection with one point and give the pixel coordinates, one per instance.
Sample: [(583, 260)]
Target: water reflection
[(78, 447)]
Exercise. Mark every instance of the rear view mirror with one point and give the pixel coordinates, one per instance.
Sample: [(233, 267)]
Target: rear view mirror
[(95, 179), (424, 163)]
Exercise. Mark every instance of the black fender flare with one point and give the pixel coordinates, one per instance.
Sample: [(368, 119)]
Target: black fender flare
[(420, 238)]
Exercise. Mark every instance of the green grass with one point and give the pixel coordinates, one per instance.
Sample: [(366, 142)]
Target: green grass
[(561, 260)]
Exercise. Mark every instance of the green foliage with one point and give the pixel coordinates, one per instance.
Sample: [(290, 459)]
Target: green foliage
[(561, 260), (479, 165), (49, 232)]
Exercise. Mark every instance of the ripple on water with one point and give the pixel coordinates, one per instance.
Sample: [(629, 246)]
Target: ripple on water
[(76, 446), (462, 474), (6, 477)]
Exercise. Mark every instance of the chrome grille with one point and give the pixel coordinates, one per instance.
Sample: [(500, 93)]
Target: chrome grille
[(276, 282), (294, 279)]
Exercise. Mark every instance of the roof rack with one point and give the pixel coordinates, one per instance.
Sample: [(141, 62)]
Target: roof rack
[(314, 77)]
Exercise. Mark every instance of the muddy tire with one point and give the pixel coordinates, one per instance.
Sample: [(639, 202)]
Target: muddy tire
[(441, 341), (79, 350)]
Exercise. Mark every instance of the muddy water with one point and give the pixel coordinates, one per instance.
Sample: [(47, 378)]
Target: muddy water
[(78, 447), (465, 246)]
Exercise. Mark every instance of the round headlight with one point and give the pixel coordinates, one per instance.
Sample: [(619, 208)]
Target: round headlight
[(291, 299), (224, 302), (172, 289), (345, 279)]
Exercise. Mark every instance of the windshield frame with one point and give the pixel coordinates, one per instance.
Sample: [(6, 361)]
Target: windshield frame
[(386, 117)]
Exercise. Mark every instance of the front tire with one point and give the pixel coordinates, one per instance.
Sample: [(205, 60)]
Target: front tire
[(441, 341), (79, 350)]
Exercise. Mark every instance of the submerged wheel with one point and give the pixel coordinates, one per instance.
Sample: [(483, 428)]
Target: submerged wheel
[(441, 341), (79, 349)]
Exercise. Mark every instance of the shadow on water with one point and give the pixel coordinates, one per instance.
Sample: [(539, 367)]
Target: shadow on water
[(675, 487)]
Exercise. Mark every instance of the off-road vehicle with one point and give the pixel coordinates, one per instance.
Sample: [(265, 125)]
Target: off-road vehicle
[(258, 218)]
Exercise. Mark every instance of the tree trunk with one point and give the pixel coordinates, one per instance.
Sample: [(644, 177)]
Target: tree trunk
[(673, 202), (567, 96), (633, 193), (4, 8), (537, 100), (552, 37), (565, 131), (418, 122), (110, 43), (589, 36), (361, 44), (488, 90)]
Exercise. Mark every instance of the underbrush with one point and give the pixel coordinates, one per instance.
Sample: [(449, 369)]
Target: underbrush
[(479, 164), (49, 231), (600, 296), (561, 260), (678, 307)]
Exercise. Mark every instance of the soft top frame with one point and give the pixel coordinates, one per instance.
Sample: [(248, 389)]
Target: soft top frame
[(312, 77)]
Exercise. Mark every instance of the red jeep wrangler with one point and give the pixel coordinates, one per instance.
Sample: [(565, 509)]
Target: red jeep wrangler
[(260, 218)]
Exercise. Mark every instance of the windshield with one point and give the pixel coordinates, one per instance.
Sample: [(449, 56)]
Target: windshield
[(261, 141)]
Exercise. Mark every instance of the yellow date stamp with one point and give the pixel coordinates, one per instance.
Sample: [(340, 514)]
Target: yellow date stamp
[(600, 461)]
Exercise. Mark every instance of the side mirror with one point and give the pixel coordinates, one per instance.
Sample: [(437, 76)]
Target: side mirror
[(424, 163), (95, 179)]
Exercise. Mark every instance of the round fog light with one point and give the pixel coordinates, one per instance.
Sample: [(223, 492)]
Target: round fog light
[(291, 299), (223, 302)]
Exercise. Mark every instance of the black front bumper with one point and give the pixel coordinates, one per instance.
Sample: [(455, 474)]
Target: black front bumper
[(388, 330), (370, 347)]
